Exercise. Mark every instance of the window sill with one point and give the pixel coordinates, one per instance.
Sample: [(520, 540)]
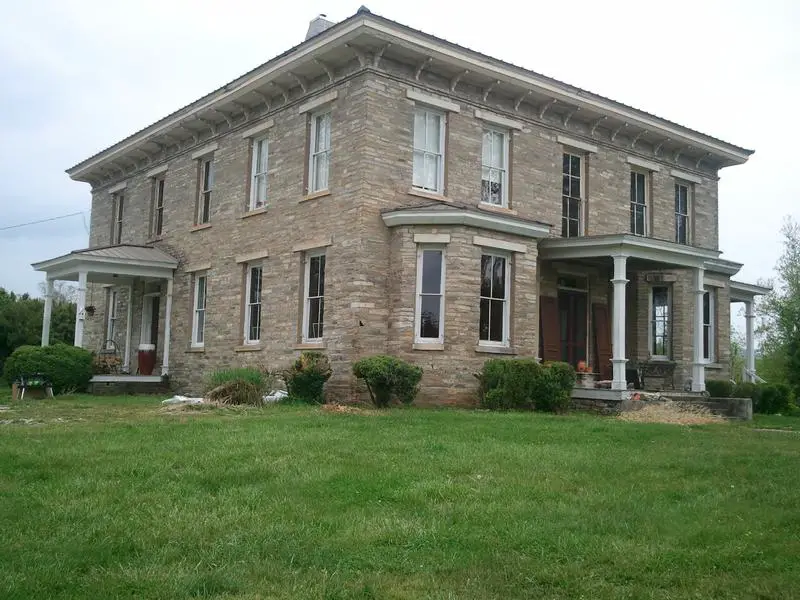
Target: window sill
[(196, 349), (428, 195), (503, 210), (495, 349), (201, 226), (153, 240), (315, 195), (248, 348), (256, 211), (428, 346), (714, 366), (310, 346)]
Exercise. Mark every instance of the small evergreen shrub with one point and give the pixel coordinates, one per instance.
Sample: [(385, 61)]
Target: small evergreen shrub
[(719, 388), (388, 378), (774, 398), (748, 389), (305, 378), (553, 391), (508, 383), (68, 368)]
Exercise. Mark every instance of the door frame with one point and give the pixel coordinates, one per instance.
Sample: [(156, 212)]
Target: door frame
[(585, 291), (146, 322)]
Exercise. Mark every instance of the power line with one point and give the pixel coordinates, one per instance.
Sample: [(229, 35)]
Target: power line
[(75, 214)]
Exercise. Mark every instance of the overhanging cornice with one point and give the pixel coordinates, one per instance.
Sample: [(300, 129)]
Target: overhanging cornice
[(455, 216)]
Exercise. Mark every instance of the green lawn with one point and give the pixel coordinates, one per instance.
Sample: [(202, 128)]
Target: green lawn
[(111, 498)]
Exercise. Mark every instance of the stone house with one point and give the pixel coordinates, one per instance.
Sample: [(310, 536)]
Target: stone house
[(376, 189)]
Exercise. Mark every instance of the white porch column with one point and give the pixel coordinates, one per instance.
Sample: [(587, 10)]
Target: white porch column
[(699, 367), (618, 359), (126, 366), (167, 329), (750, 348), (80, 309), (48, 312)]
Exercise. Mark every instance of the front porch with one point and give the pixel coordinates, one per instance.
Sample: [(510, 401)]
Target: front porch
[(662, 324), (138, 279)]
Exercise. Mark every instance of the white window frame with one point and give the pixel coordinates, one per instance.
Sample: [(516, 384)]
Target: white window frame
[(119, 209), (257, 175), (646, 204), (307, 301), (206, 189), (198, 333), (111, 319), (440, 156), (651, 321), (504, 168), (248, 303), (688, 213), (159, 184), (506, 341), (418, 339), (710, 327), (315, 153), (582, 191)]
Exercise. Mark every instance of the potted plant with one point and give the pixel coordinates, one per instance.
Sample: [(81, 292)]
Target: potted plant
[(89, 310), (585, 375)]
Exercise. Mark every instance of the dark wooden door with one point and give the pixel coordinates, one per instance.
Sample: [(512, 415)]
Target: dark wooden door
[(572, 318)]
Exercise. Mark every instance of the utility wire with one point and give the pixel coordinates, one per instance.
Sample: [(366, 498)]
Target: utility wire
[(75, 214)]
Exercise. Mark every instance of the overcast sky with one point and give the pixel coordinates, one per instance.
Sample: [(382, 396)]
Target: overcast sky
[(79, 75)]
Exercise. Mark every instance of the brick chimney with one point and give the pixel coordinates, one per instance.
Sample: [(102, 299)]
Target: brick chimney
[(317, 26)]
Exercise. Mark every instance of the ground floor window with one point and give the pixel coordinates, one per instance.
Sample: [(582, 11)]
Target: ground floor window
[(314, 301), (494, 309), (430, 295), (111, 322), (199, 319), (660, 338), (252, 308), (709, 321)]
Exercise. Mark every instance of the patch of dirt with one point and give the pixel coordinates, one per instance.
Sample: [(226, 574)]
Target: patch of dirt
[(677, 413), (772, 429), (349, 409)]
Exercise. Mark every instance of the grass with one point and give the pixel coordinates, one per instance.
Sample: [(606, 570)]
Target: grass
[(112, 498)]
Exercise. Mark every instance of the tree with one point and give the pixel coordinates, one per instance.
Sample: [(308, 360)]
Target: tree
[(780, 313)]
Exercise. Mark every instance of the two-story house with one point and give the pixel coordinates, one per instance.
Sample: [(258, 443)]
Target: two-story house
[(376, 189)]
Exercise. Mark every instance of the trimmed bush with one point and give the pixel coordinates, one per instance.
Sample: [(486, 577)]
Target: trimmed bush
[(774, 398), (68, 368), (719, 388), (305, 378), (553, 391), (508, 383), (388, 378)]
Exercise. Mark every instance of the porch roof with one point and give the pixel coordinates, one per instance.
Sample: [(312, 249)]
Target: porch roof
[(634, 246), (746, 292), (107, 264)]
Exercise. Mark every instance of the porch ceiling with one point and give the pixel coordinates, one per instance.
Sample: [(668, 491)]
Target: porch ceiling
[(110, 264), (746, 292)]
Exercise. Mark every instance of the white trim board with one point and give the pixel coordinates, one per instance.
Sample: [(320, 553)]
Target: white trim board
[(430, 100), (205, 150), (431, 238), (157, 170), (495, 119), (252, 256), (315, 103), (436, 216), (487, 242), (117, 188), (685, 176), (313, 244), (644, 164), (573, 143), (260, 128)]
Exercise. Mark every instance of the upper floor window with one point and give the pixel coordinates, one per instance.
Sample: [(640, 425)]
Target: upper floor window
[(158, 206), (571, 195), (430, 295), (320, 145), (252, 309), (494, 305), (206, 188), (199, 317), (709, 322), (314, 301), (660, 338), (681, 213), (494, 168), (116, 231), (638, 203), (428, 150), (258, 174)]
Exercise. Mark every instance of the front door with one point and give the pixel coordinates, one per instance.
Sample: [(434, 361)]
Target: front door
[(572, 322)]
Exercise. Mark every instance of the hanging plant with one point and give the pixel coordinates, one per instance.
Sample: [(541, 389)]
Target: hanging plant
[(89, 310)]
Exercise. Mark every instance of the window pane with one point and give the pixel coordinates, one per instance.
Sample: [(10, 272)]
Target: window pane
[(255, 285), (575, 169), (419, 129), (321, 262), (574, 208), (486, 276), (499, 278), (498, 148), (431, 271), (430, 315), (255, 322), (487, 148), (433, 133), (201, 322), (419, 169), (201, 292), (496, 321), (484, 322)]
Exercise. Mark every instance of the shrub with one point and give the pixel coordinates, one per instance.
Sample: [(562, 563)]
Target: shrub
[(260, 379), (774, 398), (508, 383), (388, 378), (553, 390), (68, 368), (719, 388), (306, 377), (237, 391)]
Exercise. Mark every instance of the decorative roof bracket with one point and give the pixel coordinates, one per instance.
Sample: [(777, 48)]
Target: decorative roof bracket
[(596, 124), (701, 159), (519, 100), (421, 66), (325, 68), (376, 58), (245, 110), (636, 139), (282, 91), (617, 130), (300, 81), (657, 149), (545, 107), (226, 117), (568, 116), (454, 81), (263, 97), (362, 58), (489, 89), (212, 126)]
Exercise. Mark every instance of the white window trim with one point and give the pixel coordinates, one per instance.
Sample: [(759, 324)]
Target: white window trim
[(498, 120), (573, 144), (507, 307), (157, 181), (254, 173), (650, 317), (647, 176), (433, 101), (643, 164), (505, 167), (418, 292), (712, 325), (111, 319), (196, 310), (312, 155), (306, 300), (685, 176), (443, 157), (119, 211), (689, 195), (205, 160), (248, 304), (582, 211)]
